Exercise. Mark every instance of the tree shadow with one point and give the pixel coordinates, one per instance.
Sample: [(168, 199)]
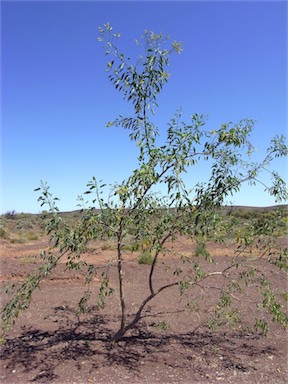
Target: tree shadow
[(40, 352)]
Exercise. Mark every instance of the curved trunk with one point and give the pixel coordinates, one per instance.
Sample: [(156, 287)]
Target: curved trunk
[(122, 331)]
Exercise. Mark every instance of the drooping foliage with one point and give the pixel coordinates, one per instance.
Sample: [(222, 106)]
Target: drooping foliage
[(136, 217)]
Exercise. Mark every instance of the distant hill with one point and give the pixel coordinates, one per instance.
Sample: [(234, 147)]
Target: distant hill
[(226, 208)]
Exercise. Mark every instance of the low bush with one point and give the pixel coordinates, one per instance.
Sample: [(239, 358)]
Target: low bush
[(201, 250), (32, 236), (10, 214), (23, 224), (3, 233), (146, 258)]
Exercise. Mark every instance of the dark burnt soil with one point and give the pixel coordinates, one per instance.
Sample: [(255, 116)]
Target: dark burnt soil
[(171, 344)]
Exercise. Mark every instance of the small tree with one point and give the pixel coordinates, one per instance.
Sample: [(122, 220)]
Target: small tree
[(135, 214)]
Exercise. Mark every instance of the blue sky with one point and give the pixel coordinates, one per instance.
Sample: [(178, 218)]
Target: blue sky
[(56, 98)]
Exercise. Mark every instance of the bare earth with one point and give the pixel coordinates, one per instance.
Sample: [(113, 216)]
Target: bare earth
[(49, 344)]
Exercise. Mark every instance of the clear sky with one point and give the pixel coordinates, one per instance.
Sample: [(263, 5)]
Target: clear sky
[(56, 98)]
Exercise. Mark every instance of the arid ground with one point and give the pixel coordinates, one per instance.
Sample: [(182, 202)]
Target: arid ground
[(171, 344)]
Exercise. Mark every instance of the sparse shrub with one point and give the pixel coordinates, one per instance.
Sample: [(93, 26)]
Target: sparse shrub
[(10, 214), (18, 240), (127, 247), (201, 250), (107, 246), (28, 260), (235, 221), (3, 233), (162, 326), (145, 258), (23, 224), (31, 236)]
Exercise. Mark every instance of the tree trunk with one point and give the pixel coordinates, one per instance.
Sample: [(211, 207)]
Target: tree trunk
[(121, 330)]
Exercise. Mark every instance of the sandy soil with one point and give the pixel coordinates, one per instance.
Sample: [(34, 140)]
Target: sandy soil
[(50, 344)]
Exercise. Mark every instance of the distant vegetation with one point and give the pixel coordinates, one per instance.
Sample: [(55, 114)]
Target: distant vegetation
[(27, 227)]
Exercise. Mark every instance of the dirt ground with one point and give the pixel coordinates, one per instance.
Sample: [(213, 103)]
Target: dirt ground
[(171, 344)]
